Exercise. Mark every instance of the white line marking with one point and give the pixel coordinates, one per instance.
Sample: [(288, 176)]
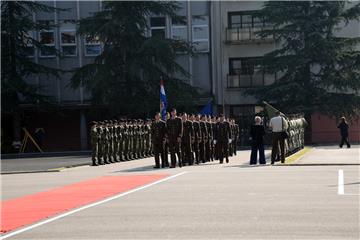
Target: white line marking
[(88, 206), (341, 182)]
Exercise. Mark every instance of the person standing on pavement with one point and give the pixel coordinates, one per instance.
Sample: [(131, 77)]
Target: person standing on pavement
[(257, 133), (344, 132), (174, 130), (278, 125), (158, 134)]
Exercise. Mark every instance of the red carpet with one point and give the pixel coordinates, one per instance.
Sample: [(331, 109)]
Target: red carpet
[(35, 207)]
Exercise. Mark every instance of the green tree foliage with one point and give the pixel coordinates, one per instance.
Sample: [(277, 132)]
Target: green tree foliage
[(319, 69), (16, 43), (125, 77)]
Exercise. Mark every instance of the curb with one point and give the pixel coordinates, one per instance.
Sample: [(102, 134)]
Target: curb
[(60, 169), (45, 154), (298, 155)]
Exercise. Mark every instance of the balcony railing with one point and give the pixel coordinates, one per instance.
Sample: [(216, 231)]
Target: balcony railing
[(246, 35), (258, 78)]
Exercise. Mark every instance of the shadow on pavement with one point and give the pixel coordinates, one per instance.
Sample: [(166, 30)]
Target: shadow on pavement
[(354, 183)]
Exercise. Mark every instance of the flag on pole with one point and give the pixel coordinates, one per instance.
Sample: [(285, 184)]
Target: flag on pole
[(207, 109), (163, 101)]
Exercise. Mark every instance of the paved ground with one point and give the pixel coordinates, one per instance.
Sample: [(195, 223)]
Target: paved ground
[(212, 201)]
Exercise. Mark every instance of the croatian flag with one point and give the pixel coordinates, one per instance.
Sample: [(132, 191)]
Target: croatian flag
[(163, 102)]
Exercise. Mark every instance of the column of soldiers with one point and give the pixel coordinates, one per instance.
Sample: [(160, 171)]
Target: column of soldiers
[(193, 139), (124, 140), (189, 139)]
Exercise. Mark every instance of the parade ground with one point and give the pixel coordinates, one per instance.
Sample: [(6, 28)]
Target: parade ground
[(315, 196)]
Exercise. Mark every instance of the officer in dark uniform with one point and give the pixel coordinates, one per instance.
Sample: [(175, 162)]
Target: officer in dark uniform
[(236, 136), (231, 151), (197, 138), (213, 147), (204, 138), (209, 138), (186, 141), (174, 132), (158, 134), (223, 138)]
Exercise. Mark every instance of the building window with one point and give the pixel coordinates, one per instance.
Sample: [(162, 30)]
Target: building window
[(179, 30), (47, 38), (157, 27), (29, 50), (244, 20), (200, 33), (246, 72), (68, 43), (92, 46)]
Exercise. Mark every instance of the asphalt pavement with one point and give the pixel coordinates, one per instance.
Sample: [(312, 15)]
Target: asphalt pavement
[(212, 201)]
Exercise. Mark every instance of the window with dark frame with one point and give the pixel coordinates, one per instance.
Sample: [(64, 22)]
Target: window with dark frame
[(157, 27), (68, 43), (246, 72), (244, 20)]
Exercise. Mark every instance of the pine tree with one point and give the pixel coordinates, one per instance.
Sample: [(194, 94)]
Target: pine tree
[(125, 77), (16, 67), (16, 44), (319, 70)]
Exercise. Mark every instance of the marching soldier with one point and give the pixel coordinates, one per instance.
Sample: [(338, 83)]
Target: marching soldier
[(223, 138), (188, 132), (174, 131), (158, 134)]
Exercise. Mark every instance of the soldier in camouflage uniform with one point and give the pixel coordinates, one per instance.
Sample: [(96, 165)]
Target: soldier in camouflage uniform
[(105, 142), (126, 141), (115, 141), (111, 141), (94, 143), (148, 146)]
